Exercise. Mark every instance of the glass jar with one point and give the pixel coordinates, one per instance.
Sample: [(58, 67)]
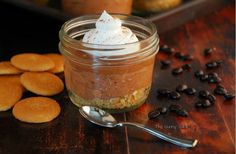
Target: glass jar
[(116, 83), (84, 7)]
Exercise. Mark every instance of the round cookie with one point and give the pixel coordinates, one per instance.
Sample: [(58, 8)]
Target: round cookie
[(7, 68), (15, 79), (42, 83), (58, 61), (10, 78), (36, 110), (32, 62), (10, 93)]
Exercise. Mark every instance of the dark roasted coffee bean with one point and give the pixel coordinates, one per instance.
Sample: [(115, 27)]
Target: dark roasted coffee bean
[(206, 103), (163, 92), (220, 86), (212, 64), (165, 63), (229, 96), (208, 51), (203, 94), (211, 98), (190, 91), (174, 95), (182, 113), (172, 50), (187, 67), (204, 78), (210, 75), (163, 110), (174, 107), (219, 62), (187, 57), (179, 55), (220, 91), (218, 80), (177, 71), (181, 88), (154, 114), (165, 49), (214, 79), (199, 73), (199, 104)]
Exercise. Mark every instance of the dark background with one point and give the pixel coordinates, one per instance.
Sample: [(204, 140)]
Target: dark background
[(26, 31)]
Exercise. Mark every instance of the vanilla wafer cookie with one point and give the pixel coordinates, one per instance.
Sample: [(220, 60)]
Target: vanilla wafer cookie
[(32, 62), (6, 68), (10, 93), (36, 110), (58, 60), (42, 83)]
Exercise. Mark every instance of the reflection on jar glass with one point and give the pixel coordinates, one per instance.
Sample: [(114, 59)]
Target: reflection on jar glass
[(116, 83), (83, 7)]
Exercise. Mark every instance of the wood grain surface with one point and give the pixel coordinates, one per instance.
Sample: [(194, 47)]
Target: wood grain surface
[(214, 127)]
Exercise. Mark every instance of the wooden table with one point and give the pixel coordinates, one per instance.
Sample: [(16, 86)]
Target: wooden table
[(214, 127)]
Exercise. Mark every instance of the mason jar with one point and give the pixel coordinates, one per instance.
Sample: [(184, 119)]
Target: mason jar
[(116, 78)]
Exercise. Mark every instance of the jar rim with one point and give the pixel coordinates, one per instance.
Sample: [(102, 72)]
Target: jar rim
[(72, 40)]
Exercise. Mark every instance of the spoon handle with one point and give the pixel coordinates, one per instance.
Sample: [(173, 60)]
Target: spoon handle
[(177, 141)]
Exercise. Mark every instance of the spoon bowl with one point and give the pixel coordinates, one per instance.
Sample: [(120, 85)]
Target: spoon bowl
[(98, 116)]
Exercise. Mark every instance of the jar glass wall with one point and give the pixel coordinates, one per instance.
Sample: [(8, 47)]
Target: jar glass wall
[(118, 82)]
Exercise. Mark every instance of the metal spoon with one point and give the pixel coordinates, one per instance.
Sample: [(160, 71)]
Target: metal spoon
[(103, 118)]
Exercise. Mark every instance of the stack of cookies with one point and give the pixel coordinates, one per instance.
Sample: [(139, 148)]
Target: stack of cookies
[(35, 73)]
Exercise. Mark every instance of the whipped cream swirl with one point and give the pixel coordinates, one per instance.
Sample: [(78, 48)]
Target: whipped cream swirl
[(109, 31)]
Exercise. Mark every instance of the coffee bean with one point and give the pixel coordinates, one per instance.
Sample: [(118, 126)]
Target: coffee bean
[(204, 78), (210, 75), (220, 86), (190, 91), (187, 67), (206, 103), (181, 88), (219, 62), (199, 73), (174, 95), (179, 55), (182, 113), (163, 110), (177, 71), (187, 57), (211, 98), (220, 91), (154, 114), (163, 92), (203, 93), (174, 107), (203, 103), (163, 47), (214, 79), (165, 63), (198, 104), (167, 50), (229, 96), (211, 65), (208, 51)]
